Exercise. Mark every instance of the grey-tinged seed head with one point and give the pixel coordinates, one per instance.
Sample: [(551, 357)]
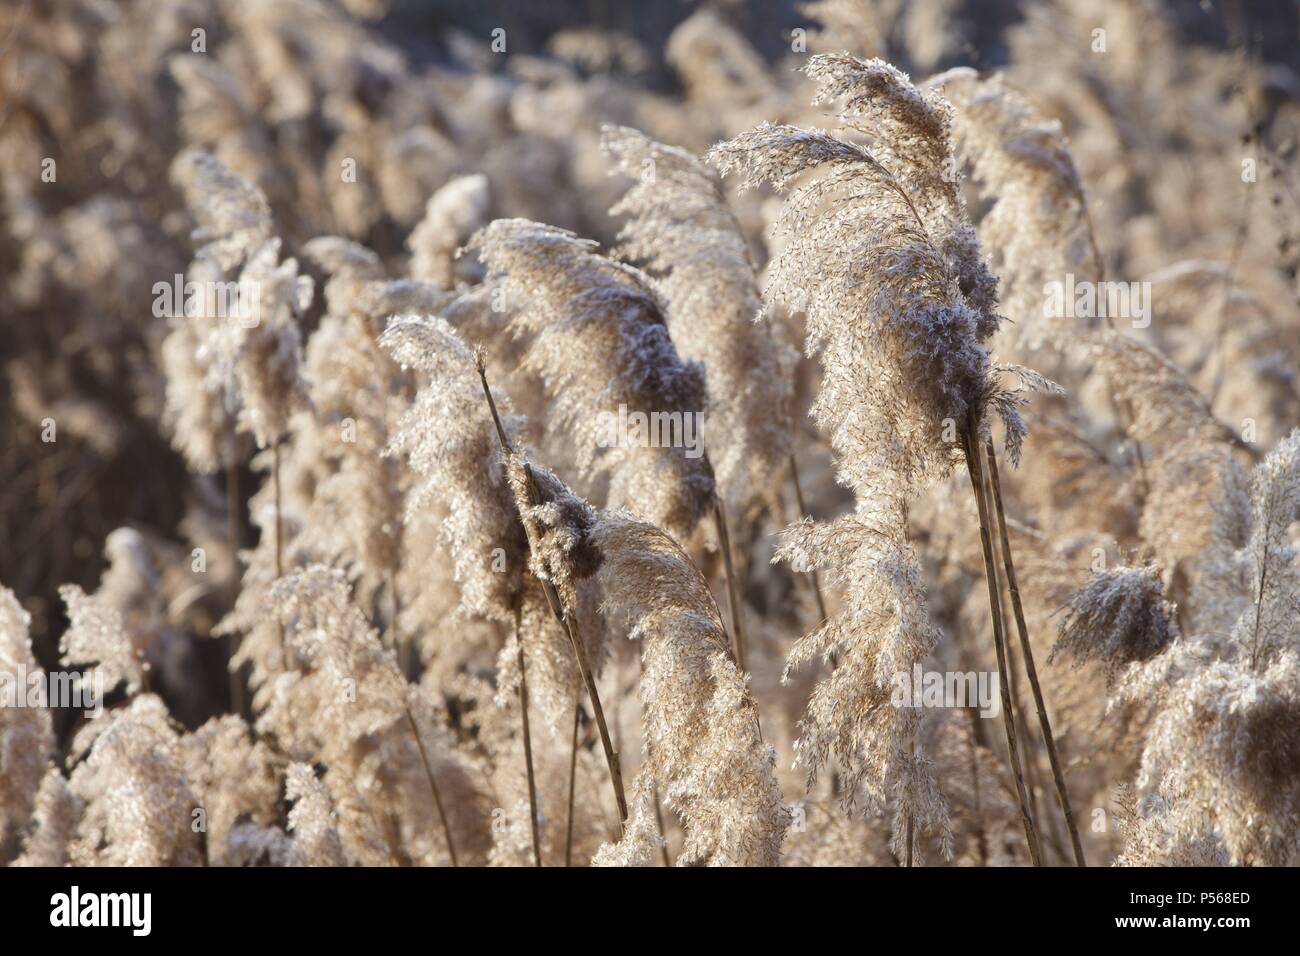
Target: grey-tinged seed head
[(602, 347), (680, 226), (1118, 617), (559, 525), (880, 258)]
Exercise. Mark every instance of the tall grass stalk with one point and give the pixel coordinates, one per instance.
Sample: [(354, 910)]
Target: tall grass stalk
[(433, 786), (234, 520), (528, 742), (569, 624), (1017, 608), (573, 778), (733, 589), (976, 473)]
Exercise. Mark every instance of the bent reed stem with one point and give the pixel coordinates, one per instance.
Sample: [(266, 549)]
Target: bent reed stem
[(566, 620)]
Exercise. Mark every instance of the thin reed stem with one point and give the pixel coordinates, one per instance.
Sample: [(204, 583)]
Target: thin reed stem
[(279, 530), (981, 839), (1029, 757), (233, 523), (528, 742), (1229, 280), (573, 777), (817, 593), (566, 621), (433, 786), (405, 648), (995, 613), (659, 821), (584, 668), (1259, 597), (654, 795), (1044, 722), (1123, 409), (733, 595)]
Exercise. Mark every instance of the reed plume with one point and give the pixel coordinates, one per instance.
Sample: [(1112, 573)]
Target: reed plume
[(453, 214), (138, 804), (97, 635), (359, 695), (1235, 694), (311, 820), (680, 226), (701, 721), (450, 439), (1119, 617), (255, 280), (601, 343), (1038, 226), (880, 235)]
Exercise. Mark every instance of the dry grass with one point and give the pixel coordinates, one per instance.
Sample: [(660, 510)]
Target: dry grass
[(489, 381)]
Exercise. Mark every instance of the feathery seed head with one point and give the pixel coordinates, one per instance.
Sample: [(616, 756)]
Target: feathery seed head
[(450, 439), (97, 635), (1118, 617), (233, 214), (880, 257), (680, 225), (453, 214), (559, 528), (700, 719), (363, 691), (601, 343)]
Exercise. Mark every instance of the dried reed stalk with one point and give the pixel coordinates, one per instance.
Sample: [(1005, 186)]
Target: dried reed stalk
[(995, 613), (238, 695), (433, 785), (573, 776), (733, 595), (528, 742), (910, 840), (566, 621), (1044, 722), (279, 513)]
